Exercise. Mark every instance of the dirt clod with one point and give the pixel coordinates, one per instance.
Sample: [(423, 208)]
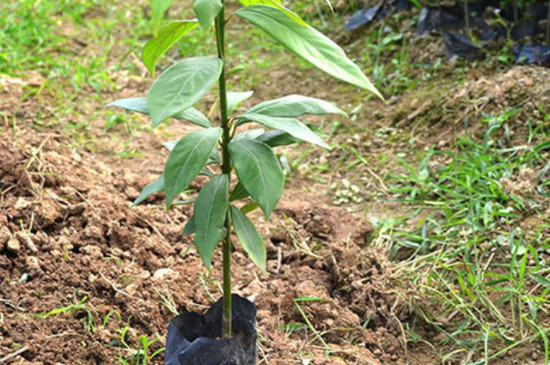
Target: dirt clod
[(13, 245), (5, 235), (27, 240), (163, 275)]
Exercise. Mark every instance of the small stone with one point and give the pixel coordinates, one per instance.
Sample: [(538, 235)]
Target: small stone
[(93, 232), (33, 266), (43, 238), (55, 253), (5, 235), (163, 275), (21, 204), (93, 251), (131, 289), (131, 193), (25, 239), (63, 244), (13, 245)]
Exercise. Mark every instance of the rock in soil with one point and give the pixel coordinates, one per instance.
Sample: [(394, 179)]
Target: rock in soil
[(13, 245)]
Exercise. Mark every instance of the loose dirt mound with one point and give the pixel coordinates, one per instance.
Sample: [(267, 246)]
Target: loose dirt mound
[(447, 107), (70, 244)]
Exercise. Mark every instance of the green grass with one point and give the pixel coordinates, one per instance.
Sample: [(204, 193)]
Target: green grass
[(67, 55), (130, 353), (55, 40), (482, 270), (71, 309), (142, 355)]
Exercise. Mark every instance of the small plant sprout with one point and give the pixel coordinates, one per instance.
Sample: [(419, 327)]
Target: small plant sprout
[(216, 150)]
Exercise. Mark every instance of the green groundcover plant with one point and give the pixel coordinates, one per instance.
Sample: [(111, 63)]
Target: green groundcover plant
[(228, 146)]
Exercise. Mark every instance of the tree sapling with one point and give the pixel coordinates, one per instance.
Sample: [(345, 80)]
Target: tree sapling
[(249, 153)]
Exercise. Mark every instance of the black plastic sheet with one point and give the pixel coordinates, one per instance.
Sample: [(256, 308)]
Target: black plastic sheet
[(401, 5), (435, 19), (377, 12), (195, 339), (450, 18), (458, 45), (363, 17), (534, 54)]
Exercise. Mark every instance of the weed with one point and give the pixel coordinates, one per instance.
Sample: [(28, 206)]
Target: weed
[(72, 309), (317, 334), (389, 62), (140, 355), (485, 274)]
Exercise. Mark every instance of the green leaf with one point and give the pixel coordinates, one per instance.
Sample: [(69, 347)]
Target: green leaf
[(159, 7), (154, 187), (187, 159), (235, 70), (214, 157), (256, 2), (309, 298), (167, 36), (184, 202), (307, 43), (194, 116), (259, 172), (249, 134), (210, 214), (207, 11), (248, 236), (139, 105), (294, 106), (170, 144), (238, 193), (293, 127), (189, 228), (181, 86), (249, 207), (206, 172), (277, 138), (276, 4), (235, 98)]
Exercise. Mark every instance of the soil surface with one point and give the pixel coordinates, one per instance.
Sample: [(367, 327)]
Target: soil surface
[(78, 265)]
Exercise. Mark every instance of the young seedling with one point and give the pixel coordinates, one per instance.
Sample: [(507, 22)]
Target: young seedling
[(249, 153)]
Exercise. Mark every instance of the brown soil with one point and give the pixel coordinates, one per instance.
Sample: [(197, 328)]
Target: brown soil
[(69, 238)]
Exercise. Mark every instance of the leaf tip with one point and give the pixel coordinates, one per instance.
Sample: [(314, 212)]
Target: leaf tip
[(267, 212), (378, 94), (262, 266)]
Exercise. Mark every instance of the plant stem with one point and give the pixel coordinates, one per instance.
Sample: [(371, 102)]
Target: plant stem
[(226, 169)]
